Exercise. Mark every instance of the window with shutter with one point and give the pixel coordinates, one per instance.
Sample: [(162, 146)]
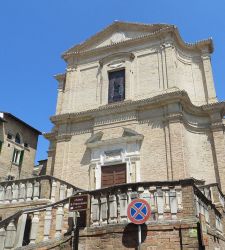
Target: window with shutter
[(116, 86)]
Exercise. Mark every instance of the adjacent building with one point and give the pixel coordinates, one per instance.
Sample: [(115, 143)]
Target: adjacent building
[(18, 145)]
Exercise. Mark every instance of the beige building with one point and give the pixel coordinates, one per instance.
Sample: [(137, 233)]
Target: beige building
[(137, 96), (18, 144)]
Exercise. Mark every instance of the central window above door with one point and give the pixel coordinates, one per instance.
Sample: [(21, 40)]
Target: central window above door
[(116, 86), (113, 175)]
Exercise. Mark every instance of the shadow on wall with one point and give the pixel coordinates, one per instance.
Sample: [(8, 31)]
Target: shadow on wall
[(86, 157), (130, 235)]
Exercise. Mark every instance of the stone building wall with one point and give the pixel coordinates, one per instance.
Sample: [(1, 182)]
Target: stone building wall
[(170, 105), (28, 136)]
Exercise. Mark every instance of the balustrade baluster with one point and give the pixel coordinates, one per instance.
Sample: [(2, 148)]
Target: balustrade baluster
[(160, 203), (36, 191), (95, 209), (29, 191), (2, 238), (53, 193), (59, 221), (166, 199), (62, 192), (152, 191), (10, 235), (173, 203), (15, 193), (104, 210), (112, 209), (47, 222), (123, 207), (8, 194), (21, 192), (34, 227), (20, 230), (179, 197), (2, 194)]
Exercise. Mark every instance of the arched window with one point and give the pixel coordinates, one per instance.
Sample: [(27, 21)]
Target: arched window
[(17, 138)]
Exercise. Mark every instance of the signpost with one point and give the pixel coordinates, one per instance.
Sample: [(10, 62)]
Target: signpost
[(138, 212), (78, 203)]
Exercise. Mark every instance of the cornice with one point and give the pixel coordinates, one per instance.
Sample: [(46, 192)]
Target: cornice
[(199, 45), (60, 77), (156, 101)]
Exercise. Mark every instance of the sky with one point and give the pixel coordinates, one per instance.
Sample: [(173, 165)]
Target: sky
[(33, 35)]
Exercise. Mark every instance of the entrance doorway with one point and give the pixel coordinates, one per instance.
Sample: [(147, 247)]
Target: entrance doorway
[(113, 175)]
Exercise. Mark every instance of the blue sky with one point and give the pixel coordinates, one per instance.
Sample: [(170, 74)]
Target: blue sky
[(33, 35)]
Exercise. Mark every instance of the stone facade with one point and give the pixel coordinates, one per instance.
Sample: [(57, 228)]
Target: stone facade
[(169, 126), (18, 147)]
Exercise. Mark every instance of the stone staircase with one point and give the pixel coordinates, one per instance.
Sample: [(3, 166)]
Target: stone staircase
[(50, 225)]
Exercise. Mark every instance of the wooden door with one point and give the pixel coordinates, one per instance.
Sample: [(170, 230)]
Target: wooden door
[(113, 175)]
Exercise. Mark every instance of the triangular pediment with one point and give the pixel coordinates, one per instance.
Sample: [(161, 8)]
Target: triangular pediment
[(115, 33)]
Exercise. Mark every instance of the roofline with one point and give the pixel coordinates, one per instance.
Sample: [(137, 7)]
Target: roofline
[(21, 121), (77, 49)]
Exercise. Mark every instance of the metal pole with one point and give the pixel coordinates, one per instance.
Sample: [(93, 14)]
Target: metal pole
[(139, 237)]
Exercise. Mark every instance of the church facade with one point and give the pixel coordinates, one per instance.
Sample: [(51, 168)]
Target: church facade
[(137, 117), (137, 103)]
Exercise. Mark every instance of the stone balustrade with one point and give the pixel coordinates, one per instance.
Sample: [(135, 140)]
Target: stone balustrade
[(109, 206), (33, 189), (169, 201)]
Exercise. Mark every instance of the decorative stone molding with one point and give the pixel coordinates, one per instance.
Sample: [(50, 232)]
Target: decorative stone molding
[(116, 58)]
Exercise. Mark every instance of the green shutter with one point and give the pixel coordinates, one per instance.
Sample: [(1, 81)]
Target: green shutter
[(21, 157)]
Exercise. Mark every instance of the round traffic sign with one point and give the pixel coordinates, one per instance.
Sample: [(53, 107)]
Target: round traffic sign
[(138, 211)]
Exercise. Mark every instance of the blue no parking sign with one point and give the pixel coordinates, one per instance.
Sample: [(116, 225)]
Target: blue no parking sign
[(138, 211)]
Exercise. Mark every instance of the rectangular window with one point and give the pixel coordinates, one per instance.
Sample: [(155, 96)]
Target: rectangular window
[(18, 156), (116, 86)]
